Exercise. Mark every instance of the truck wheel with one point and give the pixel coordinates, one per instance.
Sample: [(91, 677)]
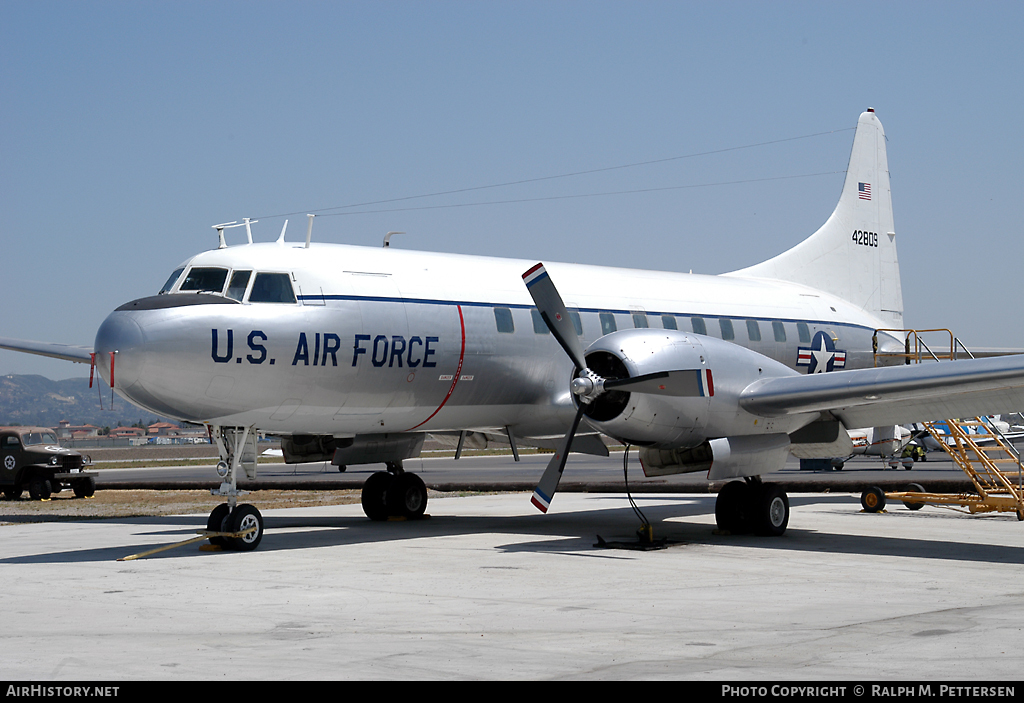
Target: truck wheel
[(12, 492), (85, 488), (39, 489)]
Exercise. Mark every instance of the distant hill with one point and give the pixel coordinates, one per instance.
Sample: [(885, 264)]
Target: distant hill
[(36, 400)]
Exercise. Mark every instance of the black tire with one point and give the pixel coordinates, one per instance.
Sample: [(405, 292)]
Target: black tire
[(55, 486), (913, 488), (731, 508), (217, 523), (84, 487), (374, 496), (770, 511), (39, 488), (342, 468), (13, 492), (244, 517), (407, 497), (873, 500)]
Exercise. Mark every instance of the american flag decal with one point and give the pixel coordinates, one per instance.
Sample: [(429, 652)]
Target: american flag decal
[(864, 191)]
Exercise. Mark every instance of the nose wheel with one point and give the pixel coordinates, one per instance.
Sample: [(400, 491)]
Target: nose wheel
[(239, 530)]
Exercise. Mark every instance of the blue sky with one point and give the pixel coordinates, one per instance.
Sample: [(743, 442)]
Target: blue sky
[(127, 129)]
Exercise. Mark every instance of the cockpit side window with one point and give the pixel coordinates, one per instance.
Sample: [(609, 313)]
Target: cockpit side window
[(171, 281), (272, 288), (239, 282), (203, 279)]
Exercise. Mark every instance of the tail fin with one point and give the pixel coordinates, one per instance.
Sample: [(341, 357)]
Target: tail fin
[(852, 255)]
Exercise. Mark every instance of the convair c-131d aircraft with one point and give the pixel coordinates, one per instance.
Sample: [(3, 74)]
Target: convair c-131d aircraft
[(354, 353)]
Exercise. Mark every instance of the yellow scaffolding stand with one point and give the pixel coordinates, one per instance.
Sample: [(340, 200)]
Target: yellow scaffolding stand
[(977, 446)]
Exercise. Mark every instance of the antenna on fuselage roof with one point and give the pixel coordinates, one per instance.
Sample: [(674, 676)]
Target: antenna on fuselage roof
[(309, 232), (387, 238), (222, 244)]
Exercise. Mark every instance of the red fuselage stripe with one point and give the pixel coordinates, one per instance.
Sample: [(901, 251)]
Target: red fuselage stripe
[(458, 372)]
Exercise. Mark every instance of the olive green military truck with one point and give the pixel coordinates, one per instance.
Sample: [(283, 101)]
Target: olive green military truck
[(32, 458)]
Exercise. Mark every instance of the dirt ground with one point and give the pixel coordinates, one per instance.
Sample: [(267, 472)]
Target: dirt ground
[(137, 503)]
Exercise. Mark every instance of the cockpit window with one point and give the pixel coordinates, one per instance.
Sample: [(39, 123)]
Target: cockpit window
[(272, 288), (205, 280), (171, 281), (239, 282)]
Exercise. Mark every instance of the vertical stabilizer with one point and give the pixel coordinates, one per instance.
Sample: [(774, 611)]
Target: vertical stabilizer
[(852, 255)]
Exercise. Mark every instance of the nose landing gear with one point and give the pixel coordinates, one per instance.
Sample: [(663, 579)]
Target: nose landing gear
[(238, 527)]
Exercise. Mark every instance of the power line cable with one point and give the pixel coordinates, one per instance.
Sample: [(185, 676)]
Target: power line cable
[(554, 177)]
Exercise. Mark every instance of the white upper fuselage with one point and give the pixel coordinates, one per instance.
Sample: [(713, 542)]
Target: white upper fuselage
[(390, 340)]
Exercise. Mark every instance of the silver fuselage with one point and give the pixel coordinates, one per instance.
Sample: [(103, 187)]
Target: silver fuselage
[(388, 340)]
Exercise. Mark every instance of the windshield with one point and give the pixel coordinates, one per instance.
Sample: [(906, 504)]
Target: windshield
[(30, 438), (171, 281), (205, 280)]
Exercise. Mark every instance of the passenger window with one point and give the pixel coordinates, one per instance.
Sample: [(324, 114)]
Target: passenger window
[(503, 320), (239, 282), (725, 324), (539, 326), (780, 331), (205, 280), (753, 331), (697, 323), (640, 320), (805, 334), (11, 442), (669, 322), (577, 323), (607, 323), (272, 288), (171, 281)]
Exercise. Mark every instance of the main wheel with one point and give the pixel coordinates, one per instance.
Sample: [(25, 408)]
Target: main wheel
[(245, 517), (407, 496), (873, 499), (731, 507), (375, 492), (770, 511), (216, 523)]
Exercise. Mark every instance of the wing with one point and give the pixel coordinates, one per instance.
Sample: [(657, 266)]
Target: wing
[(896, 395), (67, 352)]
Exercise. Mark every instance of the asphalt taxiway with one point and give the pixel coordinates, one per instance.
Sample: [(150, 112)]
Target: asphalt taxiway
[(487, 588)]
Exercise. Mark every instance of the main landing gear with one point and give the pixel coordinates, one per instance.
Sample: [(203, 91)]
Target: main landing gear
[(752, 506), (394, 493)]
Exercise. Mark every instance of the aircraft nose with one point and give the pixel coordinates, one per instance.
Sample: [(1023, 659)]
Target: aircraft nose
[(118, 348)]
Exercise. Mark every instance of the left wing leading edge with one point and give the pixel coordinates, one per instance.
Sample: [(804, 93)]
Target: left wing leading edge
[(896, 395), (67, 352)]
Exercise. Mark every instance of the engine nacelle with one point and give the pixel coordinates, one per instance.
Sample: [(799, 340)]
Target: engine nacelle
[(722, 458), (670, 422)]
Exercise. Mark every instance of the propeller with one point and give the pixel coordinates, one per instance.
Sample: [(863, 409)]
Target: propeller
[(587, 385)]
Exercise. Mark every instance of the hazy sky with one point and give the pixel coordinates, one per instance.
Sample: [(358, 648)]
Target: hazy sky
[(127, 129)]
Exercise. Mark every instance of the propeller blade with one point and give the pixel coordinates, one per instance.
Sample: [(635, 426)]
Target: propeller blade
[(552, 309), (692, 383), (545, 490)]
